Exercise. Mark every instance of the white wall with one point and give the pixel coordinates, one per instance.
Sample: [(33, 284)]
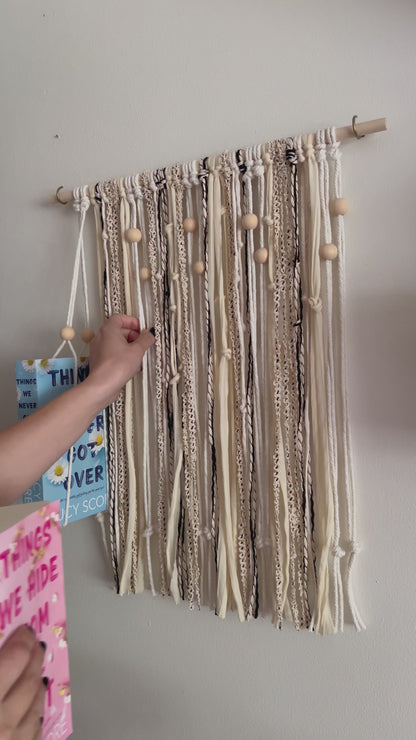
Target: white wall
[(130, 85)]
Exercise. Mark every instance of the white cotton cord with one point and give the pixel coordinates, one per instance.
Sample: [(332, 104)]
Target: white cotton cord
[(175, 330), (321, 617), (337, 552), (81, 204), (255, 169), (227, 571), (100, 517), (265, 513), (345, 468), (112, 472), (307, 476), (128, 569), (142, 298), (137, 415), (193, 242)]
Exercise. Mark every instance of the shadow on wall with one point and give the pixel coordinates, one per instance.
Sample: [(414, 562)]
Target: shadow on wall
[(382, 359)]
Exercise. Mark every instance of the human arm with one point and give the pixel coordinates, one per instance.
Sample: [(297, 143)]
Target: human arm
[(116, 355)]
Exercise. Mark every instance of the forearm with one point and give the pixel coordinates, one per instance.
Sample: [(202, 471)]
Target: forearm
[(31, 446)]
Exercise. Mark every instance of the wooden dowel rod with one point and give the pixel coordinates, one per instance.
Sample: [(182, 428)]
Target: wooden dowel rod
[(342, 133), (366, 127)]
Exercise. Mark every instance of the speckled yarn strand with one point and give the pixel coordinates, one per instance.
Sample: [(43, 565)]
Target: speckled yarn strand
[(188, 404), (237, 391)]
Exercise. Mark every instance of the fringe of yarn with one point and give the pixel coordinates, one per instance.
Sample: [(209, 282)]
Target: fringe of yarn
[(233, 446)]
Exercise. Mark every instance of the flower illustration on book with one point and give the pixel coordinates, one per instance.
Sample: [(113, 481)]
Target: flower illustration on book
[(44, 366), (58, 473), (96, 442), (29, 365), (59, 630), (64, 690)]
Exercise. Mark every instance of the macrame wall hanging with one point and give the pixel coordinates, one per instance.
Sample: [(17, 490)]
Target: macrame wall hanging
[(230, 481)]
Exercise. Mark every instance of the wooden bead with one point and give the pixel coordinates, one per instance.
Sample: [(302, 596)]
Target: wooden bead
[(144, 273), (190, 225), (249, 221), (339, 207), (133, 235), (261, 256), (328, 252), (67, 333), (87, 335), (199, 268)]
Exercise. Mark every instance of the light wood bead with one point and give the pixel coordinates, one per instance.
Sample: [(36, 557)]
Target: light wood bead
[(261, 256), (328, 252), (199, 268), (87, 335), (339, 207), (249, 221), (133, 235), (67, 333), (144, 273), (190, 225)]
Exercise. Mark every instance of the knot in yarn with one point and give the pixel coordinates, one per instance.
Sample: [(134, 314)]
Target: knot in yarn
[(175, 380), (205, 532), (268, 221), (81, 201), (299, 149), (173, 308), (271, 287), (354, 547), (226, 353), (314, 303), (334, 150), (320, 152), (138, 192), (291, 156), (258, 168), (147, 532), (338, 552), (175, 276)]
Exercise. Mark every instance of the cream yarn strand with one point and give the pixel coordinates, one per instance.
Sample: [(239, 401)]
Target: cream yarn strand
[(81, 204), (321, 617), (345, 479), (326, 271)]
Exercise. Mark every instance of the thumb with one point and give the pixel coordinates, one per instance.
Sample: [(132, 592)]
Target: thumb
[(144, 340)]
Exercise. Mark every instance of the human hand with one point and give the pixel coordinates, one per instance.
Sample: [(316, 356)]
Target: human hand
[(22, 690), (116, 354)]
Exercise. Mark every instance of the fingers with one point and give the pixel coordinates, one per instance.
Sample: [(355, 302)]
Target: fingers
[(27, 691), (31, 724), (15, 656), (144, 340), (122, 321)]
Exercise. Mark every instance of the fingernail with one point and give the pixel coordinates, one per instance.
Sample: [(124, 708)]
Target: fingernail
[(43, 645), (46, 680), (152, 330), (41, 720)]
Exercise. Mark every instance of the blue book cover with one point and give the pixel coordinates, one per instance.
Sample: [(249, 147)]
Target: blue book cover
[(37, 383)]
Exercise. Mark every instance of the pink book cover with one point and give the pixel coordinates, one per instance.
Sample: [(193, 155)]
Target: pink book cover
[(32, 592)]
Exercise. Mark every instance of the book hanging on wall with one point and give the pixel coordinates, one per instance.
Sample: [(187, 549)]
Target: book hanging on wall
[(32, 592)]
